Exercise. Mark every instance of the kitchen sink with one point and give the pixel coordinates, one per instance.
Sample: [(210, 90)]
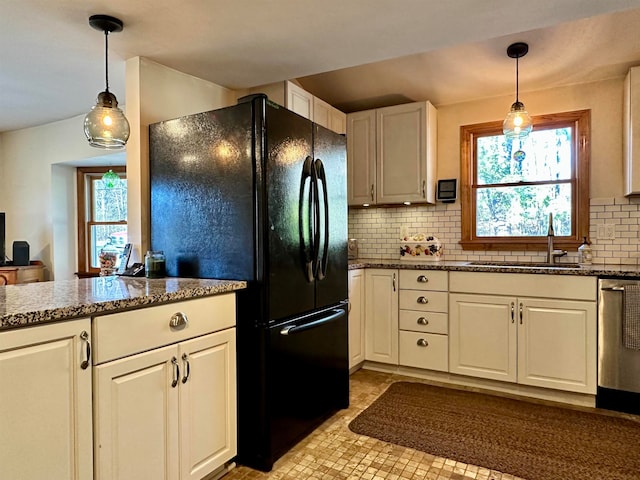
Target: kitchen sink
[(525, 264)]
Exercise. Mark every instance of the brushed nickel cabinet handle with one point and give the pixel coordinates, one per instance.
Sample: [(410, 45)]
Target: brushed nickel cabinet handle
[(187, 367), (176, 372), (394, 282), (422, 300), (372, 192), (513, 305), (422, 343), (84, 336), (424, 189), (521, 313), (422, 279), (423, 321)]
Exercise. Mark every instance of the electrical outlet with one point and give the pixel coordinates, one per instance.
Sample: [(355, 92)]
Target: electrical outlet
[(606, 231)]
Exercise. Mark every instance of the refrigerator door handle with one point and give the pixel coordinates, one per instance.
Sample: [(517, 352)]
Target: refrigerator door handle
[(291, 329), (305, 229), (316, 220), (324, 261)]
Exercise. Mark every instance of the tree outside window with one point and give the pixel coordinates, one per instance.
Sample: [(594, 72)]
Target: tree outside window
[(509, 188)]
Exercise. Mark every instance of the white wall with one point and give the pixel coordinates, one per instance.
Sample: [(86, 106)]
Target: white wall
[(33, 197), (156, 93), (37, 176)]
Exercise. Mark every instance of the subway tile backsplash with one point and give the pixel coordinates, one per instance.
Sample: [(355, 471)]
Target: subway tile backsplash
[(378, 232)]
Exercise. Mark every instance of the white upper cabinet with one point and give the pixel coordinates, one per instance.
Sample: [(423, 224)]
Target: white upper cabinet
[(631, 132), (400, 165), (298, 100), (361, 157)]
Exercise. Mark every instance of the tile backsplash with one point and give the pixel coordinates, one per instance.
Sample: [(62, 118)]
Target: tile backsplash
[(378, 232)]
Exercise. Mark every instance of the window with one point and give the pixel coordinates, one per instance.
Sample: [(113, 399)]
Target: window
[(102, 216), (508, 189)]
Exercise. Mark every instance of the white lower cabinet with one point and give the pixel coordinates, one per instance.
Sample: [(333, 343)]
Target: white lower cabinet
[(168, 412), (543, 342), (381, 315), (356, 317), (45, 400)]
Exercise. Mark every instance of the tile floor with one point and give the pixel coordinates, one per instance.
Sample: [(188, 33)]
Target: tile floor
[(333, 452)]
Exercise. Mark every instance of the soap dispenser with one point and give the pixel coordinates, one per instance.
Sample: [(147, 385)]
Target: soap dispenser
[(585, 255)]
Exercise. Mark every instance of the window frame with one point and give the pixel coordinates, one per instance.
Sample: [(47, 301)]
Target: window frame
[(580, 121), (85, 217)]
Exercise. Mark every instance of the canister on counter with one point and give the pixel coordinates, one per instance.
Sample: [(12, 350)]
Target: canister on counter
[(155, 264)]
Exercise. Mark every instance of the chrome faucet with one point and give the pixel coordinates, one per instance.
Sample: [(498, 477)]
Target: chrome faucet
[(551, 253)]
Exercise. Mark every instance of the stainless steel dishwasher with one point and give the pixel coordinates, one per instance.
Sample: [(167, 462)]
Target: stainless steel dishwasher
[(618, 366)]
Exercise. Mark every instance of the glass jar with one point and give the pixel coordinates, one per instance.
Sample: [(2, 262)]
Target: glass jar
[(585, 254), (154, 264)]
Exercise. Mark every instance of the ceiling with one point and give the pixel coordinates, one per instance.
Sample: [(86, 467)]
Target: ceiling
[(355, 54)]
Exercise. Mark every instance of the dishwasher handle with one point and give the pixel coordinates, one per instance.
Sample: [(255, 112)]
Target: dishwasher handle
[(617, 288)]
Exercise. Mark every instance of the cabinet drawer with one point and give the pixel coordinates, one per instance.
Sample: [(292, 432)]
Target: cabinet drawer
[(424, 350), (121, 334), (425, 301), (424, 280), (427, 322)]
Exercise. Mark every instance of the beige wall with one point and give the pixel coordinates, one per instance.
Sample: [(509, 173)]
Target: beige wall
[(603, 98), (156, 93)]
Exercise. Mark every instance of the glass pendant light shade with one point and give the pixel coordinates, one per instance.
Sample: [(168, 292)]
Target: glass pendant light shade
[(518, 123), (105, 126)]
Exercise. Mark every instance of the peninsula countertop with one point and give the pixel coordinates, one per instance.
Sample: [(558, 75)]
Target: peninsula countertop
[(596, 270), (32, 303)]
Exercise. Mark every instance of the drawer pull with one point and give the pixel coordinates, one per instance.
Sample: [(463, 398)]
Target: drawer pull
[(422, 300), (423, 321), (422, 343), (422, 279), (178, 320)]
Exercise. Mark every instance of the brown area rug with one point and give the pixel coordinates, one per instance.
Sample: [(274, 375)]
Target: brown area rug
[(531, 441)]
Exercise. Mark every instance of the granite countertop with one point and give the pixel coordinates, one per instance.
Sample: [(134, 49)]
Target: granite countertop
[(591, 270), (31, 303)]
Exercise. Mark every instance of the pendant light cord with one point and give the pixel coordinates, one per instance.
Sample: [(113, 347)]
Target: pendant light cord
[(106, 59), (517, 81)]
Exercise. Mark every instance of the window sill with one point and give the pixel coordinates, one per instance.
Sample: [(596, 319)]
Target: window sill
[(520, 245)]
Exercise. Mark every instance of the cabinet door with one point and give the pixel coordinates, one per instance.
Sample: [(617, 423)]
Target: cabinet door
[(299, 100), (557, 345), (322, 112), (356, 317), (405, 153), (207, 403), (45, 400), (483, 336), (136, 416), (381, 317), (337, 121), (361, 157)]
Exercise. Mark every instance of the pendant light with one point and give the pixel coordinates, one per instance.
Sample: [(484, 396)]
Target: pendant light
[(518, 123), (105, 125)]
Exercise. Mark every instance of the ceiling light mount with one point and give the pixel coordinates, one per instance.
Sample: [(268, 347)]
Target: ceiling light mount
[(518, 123), (105, 126)]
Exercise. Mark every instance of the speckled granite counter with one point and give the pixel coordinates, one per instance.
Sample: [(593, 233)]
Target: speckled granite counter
[(32, 303), (593, 270)]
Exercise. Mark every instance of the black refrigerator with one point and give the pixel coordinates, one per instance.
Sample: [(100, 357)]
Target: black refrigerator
[(256, 192)]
